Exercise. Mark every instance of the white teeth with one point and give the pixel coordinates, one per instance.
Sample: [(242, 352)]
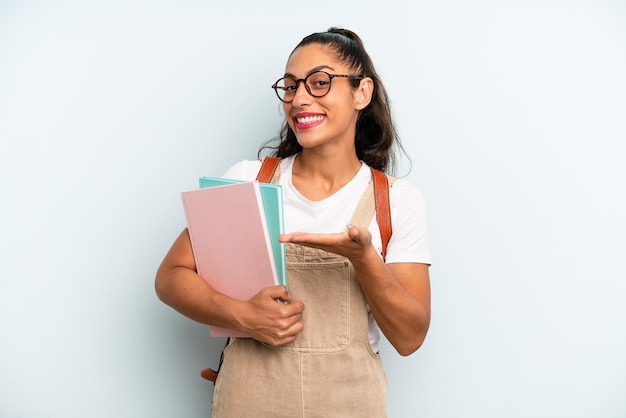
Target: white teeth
[(309, 119)]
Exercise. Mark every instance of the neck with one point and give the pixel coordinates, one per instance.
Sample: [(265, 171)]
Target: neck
[(318, 175)]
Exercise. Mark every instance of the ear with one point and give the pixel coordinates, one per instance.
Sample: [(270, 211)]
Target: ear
[(363, 93)]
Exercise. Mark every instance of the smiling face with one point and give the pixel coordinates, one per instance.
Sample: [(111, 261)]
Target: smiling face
[(329, 120)]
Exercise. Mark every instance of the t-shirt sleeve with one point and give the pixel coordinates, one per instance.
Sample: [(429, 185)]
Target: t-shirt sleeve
[(246, 170), (409, 241)]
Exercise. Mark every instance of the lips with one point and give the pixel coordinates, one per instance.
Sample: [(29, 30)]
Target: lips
[(308, 120)]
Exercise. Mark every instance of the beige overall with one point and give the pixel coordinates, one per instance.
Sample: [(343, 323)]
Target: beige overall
[(330, 370)]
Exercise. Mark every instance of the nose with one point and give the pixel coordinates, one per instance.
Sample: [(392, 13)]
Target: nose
[(302, 96)]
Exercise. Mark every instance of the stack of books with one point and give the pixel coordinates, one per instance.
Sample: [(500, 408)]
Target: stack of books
[(234, 227)]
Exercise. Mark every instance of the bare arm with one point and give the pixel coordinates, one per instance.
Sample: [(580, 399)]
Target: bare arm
[(398, 294), (399, 297), (178, 285)]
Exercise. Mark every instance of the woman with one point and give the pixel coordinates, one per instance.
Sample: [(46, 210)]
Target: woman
[(318, 354)]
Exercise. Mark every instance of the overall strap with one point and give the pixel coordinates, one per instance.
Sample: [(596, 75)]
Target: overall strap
[(375, 198)]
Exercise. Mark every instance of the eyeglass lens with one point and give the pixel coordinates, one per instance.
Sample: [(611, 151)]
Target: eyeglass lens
[(317, 84)]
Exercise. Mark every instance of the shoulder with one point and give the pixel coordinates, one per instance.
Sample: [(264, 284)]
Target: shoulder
[(410, 238), (247, 170), (243, 170), (403, 192), (407, 203)]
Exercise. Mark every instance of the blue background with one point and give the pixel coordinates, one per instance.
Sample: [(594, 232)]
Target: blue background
[(512, 112)]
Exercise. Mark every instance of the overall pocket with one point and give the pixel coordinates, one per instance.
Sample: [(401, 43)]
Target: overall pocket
[(324, 288)]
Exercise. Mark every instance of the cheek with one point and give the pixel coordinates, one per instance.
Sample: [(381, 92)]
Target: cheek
[(287, 112)]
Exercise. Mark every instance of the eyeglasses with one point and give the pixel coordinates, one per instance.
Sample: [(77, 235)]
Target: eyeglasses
[(316, 83)]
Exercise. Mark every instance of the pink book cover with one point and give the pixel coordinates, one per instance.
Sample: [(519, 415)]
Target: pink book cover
[(230, 241)]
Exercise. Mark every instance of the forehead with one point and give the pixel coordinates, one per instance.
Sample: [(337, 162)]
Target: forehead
[(307, 57)]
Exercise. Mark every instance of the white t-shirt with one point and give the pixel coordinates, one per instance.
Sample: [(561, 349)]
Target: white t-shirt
[(409, 242)]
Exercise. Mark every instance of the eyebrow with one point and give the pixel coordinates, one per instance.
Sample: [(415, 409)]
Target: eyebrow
[(318, 68)]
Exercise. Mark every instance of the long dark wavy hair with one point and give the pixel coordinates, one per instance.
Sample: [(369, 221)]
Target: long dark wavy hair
[(376, 136)]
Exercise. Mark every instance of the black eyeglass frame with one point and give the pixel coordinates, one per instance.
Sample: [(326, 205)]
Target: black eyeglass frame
[(276, 87)]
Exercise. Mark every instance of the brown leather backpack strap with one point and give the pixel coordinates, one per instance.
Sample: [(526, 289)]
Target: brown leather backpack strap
[(209, 373), (383, 208), (268, 168)]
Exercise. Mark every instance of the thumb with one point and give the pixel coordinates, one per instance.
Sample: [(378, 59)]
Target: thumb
[(359, 235), (278, 292), (353, 232)]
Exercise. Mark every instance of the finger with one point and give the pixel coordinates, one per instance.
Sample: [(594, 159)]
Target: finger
[(298, 237), (306, 238), (277, 291), (294, 308), (295, 237), (284, 238)]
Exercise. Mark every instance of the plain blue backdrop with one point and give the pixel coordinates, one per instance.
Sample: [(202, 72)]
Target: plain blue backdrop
[(512, 113)]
